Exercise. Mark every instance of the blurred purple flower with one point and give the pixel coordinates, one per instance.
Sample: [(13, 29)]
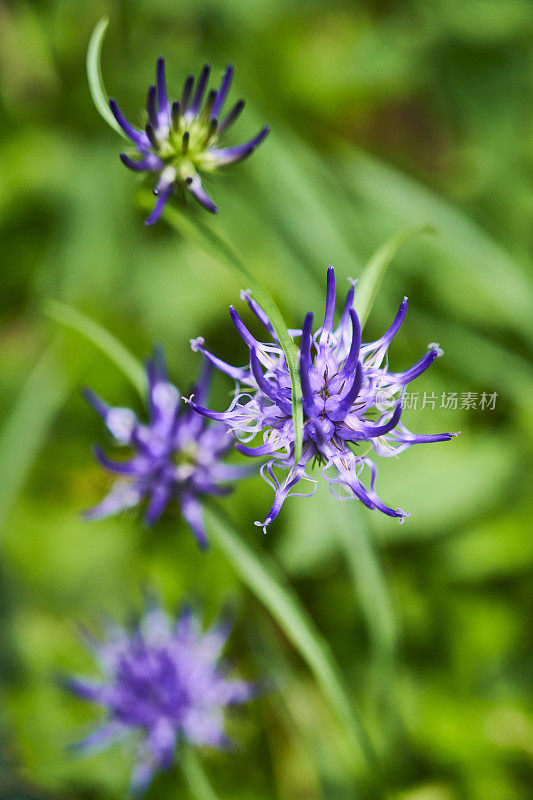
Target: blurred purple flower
[(344, 384), (176, 455), (181, 139), (162, 682)]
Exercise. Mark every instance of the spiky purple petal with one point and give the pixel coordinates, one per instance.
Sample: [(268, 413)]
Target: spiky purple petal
[(200, 89), (231, 155), (162, 681), (162, 99), (342, 383), (181, 139), (232, 116), (194, 185), (176, 456), (139, 138)]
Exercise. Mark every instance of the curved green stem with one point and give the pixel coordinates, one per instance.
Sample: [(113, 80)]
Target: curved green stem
[(262, 576), (197, 230)]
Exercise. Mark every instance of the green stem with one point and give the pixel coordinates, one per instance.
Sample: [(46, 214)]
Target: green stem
[(186, 223), (263, 577), (195, 776)]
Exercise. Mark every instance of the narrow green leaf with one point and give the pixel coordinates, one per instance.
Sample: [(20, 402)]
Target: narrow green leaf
[(194, 775), (314, 228), (101, 338), (375, 270), (206, 237), (373, 597), (25, 428), (500, 282), (264, 579), (367, 576), (94, 75)]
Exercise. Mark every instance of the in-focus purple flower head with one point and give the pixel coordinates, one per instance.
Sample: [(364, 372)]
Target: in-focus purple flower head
[(177, 456), (351, 403), (182, 139), (161, 682)]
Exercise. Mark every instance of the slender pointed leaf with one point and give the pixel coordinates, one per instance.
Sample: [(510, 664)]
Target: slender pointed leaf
[(194, 775), (264, 579), (501, 283), (101, 338), (370, 585), (375, 270), (94, 75), (24, 431), (218, 247)]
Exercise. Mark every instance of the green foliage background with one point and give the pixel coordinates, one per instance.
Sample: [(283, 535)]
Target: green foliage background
[(384, 114)]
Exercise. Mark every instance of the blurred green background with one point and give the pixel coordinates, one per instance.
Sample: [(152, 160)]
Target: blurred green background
[(384, 113)]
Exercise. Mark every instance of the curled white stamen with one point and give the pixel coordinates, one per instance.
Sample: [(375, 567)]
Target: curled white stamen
[(436, 346)]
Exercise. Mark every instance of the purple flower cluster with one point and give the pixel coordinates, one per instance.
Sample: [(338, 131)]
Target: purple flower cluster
[(344, 384), (161, 682), (181, 139), (176, 455)]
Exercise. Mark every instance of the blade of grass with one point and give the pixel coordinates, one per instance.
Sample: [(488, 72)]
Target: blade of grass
[(313, 229), (194, 775), (214, 244), (258, 572), (25, 429), (262, 576), (375, 270), (368, 580), (101, 338), (296, 741), (94, 76), (205, 236), (500, 282)]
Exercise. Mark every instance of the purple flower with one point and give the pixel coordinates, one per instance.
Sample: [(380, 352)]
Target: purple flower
[(162, 682), (181, 139), (351, 403), (176, 455)]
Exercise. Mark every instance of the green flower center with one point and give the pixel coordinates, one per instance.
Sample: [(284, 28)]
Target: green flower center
[(185, 147)]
